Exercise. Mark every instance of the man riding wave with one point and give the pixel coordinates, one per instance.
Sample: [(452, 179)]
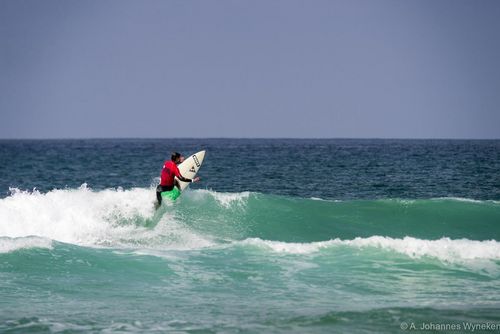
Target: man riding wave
[(169, 187)]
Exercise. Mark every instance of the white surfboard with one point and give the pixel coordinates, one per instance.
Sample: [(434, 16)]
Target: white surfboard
[(189, 167)]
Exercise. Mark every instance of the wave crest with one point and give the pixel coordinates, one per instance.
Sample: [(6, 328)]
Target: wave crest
[(445, 249), (8, 245)]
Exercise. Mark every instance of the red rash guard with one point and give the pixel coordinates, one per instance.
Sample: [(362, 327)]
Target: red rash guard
[(168, 172)]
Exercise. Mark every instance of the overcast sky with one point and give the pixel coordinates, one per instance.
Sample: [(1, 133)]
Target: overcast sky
[(269, 68)]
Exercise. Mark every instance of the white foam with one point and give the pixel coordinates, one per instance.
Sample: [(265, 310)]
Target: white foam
[(106, 218), (78, 216), (287, 247), (12, 244), (225, 200), (326, 200), (167, 235), (459, 199), (444, 249)]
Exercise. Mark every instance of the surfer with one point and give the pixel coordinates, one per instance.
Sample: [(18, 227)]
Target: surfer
[(168, 184)]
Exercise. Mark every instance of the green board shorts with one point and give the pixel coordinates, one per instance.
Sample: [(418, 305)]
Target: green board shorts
[(172, 194)]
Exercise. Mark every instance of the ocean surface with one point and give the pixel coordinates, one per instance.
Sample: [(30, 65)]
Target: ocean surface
[(280, 236)]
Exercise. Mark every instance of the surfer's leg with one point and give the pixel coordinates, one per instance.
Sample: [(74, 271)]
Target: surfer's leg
[(158, 196)]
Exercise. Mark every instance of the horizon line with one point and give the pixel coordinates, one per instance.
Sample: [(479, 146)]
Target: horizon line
[(246, 138)]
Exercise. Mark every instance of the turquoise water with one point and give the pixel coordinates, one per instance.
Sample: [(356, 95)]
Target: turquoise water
[(373, 235)]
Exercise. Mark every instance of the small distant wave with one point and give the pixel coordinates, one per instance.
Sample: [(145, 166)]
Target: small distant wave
[(325, 200), (407, 201), (462, 199)]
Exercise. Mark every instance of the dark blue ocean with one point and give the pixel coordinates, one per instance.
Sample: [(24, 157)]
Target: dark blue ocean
[(342, 169), (280, 236)]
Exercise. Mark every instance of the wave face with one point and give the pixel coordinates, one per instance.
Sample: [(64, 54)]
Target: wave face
[(305, 220), (126, 218)]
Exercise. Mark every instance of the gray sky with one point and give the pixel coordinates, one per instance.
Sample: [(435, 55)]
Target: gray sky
[(260, 68)]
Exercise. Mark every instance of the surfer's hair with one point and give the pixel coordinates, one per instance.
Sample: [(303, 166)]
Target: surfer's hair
[(175, 156)]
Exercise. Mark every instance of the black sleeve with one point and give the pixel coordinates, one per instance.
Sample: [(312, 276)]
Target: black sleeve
[(183, 179)]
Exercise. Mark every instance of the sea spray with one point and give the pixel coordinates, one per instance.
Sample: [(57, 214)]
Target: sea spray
[(105, 218)]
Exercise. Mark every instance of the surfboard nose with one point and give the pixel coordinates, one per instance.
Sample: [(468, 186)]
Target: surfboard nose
[(200, 155)]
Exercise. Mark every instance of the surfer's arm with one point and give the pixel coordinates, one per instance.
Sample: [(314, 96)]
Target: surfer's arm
[(182, 178)]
